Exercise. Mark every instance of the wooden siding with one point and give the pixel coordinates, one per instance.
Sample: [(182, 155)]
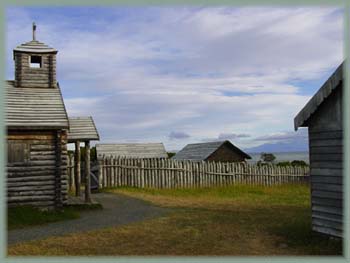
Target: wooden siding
[(37, 181), (34, 108), (326, 182), (82, 129), (135, 150), (326, 163)]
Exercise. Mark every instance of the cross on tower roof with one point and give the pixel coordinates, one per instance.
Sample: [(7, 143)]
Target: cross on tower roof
[(34, 46), (34, 29)]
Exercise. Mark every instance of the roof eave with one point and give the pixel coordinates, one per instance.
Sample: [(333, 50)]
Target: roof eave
[(311, 106), (83, 139), (32, 127), (43, 51), (245, 155)]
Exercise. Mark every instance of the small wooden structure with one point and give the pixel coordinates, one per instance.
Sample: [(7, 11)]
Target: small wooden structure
[(221, 151), (36, 122), (82, 129), (324, 119), (132, 150)]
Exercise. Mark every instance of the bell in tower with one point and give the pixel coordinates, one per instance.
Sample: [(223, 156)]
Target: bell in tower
[(35, 64)]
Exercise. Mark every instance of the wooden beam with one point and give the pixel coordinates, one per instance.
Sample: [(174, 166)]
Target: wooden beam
[(58, 171), (77, 169), (87, 173)]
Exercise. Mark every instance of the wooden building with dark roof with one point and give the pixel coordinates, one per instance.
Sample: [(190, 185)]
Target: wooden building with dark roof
[(220, 151), (37, 124), (82, 129), (323, 115)]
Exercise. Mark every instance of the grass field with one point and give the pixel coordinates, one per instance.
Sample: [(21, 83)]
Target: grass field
[(237, 220)]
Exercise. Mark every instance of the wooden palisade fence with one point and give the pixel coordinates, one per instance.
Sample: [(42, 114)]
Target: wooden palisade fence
[(168, 173)]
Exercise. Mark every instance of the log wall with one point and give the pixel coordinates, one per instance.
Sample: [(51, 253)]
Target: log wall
[(44, 77), (37, 180)]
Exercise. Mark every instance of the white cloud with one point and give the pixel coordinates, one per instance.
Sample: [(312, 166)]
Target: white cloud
[(178, 135), (204, 71)]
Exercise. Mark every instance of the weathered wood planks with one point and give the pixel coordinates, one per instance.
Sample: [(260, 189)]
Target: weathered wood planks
[(168, 173)]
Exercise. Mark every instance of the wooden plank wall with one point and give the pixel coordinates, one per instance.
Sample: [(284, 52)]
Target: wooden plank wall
[(327, 181), (33, 182), (169, 173)]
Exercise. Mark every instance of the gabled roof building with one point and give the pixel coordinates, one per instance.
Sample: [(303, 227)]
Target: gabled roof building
[(219, 151), (132, 150)]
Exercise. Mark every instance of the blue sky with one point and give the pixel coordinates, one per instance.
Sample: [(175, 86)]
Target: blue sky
[(187, 74)]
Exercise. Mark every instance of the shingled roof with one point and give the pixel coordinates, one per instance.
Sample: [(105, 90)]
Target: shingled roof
[(35, 46), (82, 129), (201, 151), (134, 150), (327, 88), (34, 108)]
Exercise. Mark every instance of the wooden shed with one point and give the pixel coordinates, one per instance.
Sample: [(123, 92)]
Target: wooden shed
[(82, 129), (133, 150), (37, 123), (221, 151), (324, 118)]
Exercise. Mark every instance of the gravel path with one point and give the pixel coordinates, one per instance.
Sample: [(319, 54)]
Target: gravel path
[(117, 210)]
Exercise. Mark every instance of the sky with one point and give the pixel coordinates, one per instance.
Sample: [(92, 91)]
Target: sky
[(181, 74)]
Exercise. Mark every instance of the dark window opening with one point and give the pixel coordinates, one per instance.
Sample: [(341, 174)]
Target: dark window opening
[(35, 61), (17, 152)]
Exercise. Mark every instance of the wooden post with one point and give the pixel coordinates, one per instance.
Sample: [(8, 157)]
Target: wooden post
[(87, 173), (100, 175), (114, 162), (77, 168), (58, 171), (69, 171)]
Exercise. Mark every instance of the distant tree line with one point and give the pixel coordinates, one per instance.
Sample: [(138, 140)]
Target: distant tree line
[(268, 158), (171, 154)]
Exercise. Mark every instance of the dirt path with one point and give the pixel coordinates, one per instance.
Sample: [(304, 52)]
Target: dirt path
[(117, 210)]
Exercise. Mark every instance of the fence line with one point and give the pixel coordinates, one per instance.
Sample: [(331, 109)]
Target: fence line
[(169, 173)]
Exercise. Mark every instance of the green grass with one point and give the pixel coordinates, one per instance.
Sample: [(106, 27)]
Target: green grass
[(26, 216), (237, 220), (278, 195), (297, 233)]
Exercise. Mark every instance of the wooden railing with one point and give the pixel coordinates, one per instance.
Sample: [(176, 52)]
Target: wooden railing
[(168, 173)]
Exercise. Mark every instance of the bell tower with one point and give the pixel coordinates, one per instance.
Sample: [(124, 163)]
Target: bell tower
[(35, 64)]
